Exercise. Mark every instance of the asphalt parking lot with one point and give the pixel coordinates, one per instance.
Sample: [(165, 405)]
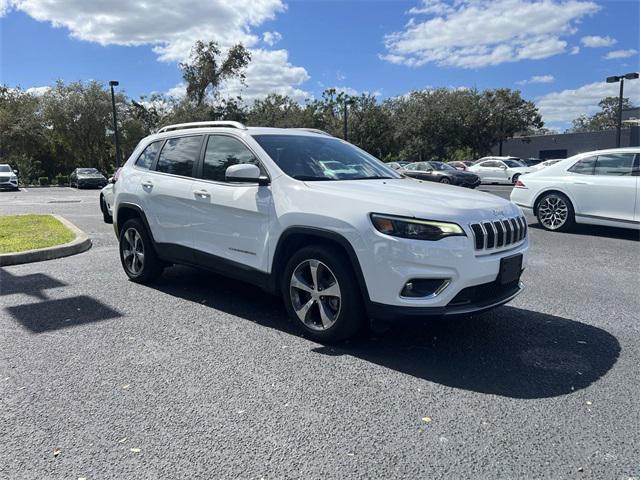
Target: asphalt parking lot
[(203, 377)]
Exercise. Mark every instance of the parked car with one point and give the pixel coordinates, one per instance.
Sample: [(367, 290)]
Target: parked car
[(529, 162), (461, 165), (106, 199), (598, 188), (256, 204), (8, 177), (441, 172), (546, 163), (394, 165), (87, 178), (499, 169)]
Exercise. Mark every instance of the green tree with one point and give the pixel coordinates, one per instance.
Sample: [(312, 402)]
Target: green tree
[(605, 119), (205, 71)]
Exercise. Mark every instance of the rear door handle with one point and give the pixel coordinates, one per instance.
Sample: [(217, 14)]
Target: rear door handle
[(202, 193), (147, 183), (581, 183)]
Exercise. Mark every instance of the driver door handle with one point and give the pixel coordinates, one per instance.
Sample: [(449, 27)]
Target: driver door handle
[(202, 193)]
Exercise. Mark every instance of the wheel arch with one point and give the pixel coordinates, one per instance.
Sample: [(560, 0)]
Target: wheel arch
[(295, 238), (127, 211)]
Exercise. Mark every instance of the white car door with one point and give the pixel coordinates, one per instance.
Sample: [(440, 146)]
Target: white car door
[(167, 190), (230, 220), (603, 187), (489, 171)]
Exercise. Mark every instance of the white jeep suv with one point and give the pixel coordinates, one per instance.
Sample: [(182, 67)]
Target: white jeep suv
[(337, 233)]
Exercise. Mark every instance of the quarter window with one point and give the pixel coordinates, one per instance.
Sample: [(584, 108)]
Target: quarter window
[(179, 155), (584, 166), (148, 155), (614, 164), (222, 152)]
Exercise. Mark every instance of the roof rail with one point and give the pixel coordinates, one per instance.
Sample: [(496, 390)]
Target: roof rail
[(216, 123), (312, 130)]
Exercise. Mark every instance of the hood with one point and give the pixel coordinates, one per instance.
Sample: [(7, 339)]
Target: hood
[(416, 198), (7, 174)]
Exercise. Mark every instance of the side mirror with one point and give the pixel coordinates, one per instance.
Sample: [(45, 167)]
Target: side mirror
[(15, 171), (503, 167), (245, 173), (111, 180)]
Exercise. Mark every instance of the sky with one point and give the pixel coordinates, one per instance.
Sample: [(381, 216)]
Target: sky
[(557, 52)]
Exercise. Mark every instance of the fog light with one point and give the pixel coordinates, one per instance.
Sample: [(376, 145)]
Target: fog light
[(423, 287)]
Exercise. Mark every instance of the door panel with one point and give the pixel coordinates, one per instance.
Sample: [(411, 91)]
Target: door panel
[(231, 220)]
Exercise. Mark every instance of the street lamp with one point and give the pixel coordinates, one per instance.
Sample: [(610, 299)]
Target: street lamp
[(347, 101), (115, 83), (620, 78)]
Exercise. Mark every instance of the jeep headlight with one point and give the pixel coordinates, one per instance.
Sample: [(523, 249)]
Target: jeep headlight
[(415, 228)]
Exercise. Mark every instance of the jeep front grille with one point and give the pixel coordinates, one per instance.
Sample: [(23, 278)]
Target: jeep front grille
[(499, 233)]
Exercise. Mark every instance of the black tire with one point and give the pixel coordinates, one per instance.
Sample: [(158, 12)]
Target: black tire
[(105, 211), (569, 222), (152, 266), (445, 180), (350, 317), (515, 178)]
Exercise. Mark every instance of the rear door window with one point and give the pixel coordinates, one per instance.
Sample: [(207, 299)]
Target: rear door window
[(179, 155), (614, 164)]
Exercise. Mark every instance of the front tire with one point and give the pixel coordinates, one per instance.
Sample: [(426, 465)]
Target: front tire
[(515, 178), (321, 294), (137, 255), (555, 212), (445, 180)]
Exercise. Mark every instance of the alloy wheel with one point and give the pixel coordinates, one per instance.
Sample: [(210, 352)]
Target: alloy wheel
[(133, 251), (315, 294), (553, 212)]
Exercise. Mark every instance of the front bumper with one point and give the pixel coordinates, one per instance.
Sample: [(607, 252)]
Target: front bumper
[(388, 263), (477, 303), (9, 185), (92, 183)]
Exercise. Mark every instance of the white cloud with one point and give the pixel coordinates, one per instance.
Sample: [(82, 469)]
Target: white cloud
[(538, 79), (620, 54), (560, 108), (352, 92), (479, 33), (171, 27), (574, 51), (179, 91), (38, 91), (595, 41), (271, 38)]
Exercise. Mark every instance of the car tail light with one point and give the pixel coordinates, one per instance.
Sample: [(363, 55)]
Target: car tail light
[(116, 175), (519, 184)]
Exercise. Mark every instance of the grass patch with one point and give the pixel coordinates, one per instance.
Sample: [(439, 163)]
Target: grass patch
[(19, 233)]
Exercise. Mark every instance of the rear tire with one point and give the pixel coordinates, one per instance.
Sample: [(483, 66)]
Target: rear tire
[(555, 212), (330, 317), (137, 255), (515, 178), (445, 180)]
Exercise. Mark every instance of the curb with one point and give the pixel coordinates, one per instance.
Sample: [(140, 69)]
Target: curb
[(80, 244)]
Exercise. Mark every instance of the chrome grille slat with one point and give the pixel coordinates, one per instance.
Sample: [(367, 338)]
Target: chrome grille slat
[(499, 233)]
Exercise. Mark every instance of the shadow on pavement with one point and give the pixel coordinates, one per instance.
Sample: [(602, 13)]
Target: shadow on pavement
[(34, 284), (595, 231), (61, 313), (509, 351)]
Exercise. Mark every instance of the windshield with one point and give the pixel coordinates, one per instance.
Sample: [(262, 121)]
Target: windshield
[(5, 168), (441, 166), (88, 171), (512, 163), (322, 158)]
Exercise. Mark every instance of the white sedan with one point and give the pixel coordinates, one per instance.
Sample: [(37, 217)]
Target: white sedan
[(499, 169), (106, 202), (598, 188)]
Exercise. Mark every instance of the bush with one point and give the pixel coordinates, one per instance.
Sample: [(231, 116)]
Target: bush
[(43, 181), (62, 180)]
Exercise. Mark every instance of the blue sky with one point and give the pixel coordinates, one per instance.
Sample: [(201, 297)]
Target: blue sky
[(556, 51)]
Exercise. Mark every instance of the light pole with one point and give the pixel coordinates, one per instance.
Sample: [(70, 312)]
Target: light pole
[(115, 83), (620, 78), (345, 131)]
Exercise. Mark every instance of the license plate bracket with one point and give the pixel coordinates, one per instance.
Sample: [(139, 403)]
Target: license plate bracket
[(510, 269)]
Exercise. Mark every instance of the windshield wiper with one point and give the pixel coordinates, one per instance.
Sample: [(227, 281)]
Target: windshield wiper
[(311, 178)]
